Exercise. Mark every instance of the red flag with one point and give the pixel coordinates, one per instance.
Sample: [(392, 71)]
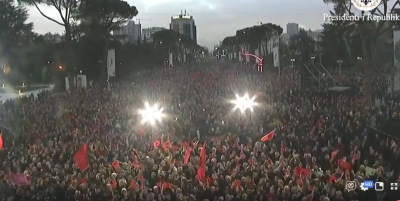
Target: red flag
[(201, 169), (344, 164), (297, 171), (81, 158), (1, 141), (332, 179), (268, 136), (334, 154), (156, 143), (187, 155), (115, 165), (166, 145), (305, 172)]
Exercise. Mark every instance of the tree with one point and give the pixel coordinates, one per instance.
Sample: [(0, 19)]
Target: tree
[(100, 17), (65, 8), (230, 43), (257, 35), (339, 41), (369, 31), (303, 45), (15, 35)]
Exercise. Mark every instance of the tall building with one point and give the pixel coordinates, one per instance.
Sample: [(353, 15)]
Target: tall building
[(147, 33), (184, 24), (131, 32), (292, 28)]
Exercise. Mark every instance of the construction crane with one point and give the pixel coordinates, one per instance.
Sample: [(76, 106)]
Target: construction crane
[(138, 20)]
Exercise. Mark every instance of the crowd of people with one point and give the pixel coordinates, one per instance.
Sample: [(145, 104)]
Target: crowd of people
[(91, 144)]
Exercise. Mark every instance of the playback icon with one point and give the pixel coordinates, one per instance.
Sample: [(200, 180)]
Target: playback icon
[(379, 186), (393, 186)]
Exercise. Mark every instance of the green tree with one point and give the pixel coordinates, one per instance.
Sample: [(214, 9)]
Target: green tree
[(265, 32), (15, 35), (230, 44), (302, 45), (65, 8), (100, 17), (165, 42), (339, 41), (169, 41), (369, 32), (256, 37)]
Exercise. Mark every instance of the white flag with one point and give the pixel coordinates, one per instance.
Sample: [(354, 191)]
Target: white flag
[(171, 58), (111, 63), (275, 51)]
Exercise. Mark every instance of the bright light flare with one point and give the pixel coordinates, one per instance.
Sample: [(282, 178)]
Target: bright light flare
[(244, 102), (151, 114)]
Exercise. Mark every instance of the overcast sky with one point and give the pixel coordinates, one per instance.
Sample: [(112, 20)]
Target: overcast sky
[(215, 19)]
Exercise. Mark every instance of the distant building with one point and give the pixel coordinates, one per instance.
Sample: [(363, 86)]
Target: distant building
[(147, 33), (184, 24), (285, 38), (130, 33), (52, 38), (315, 35), (292, 28)]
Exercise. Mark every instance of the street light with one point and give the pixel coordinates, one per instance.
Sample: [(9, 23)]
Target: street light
[(292, 60), (151, 114), (243, 103)]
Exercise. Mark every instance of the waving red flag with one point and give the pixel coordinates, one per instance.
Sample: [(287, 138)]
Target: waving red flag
[(344, 164), (334, 153), (167, 145), (268, 136), (187, 155), (201, 169), (1, 141), (81, 158), (156, 144)]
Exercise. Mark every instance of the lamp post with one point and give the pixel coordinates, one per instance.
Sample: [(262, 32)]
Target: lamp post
[(292, 60), (312, 60), (340, 66), (279, 69)]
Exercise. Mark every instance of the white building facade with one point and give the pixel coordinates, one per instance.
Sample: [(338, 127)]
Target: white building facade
[(147, 33), (130, 33), (285, 38)]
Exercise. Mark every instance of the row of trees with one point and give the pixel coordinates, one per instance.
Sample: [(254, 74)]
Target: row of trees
[(364, 43), (88, 26)]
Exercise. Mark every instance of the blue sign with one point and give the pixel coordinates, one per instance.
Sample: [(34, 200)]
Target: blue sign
[(369, 184)]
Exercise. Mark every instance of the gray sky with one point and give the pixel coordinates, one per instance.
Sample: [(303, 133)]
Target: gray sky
[(215, 19)]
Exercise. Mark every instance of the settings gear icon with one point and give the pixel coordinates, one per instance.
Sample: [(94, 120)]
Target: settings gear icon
[(362, 187)]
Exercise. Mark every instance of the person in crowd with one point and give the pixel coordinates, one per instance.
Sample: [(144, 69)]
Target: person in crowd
[(91, 144)]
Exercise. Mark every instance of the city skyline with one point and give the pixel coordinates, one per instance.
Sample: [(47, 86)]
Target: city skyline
[(215, 20)]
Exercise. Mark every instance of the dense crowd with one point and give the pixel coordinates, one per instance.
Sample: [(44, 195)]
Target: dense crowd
[(321, 141)]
